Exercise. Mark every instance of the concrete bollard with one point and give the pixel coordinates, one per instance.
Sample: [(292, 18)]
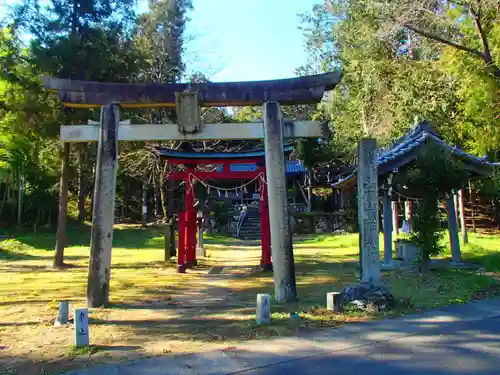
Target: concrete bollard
[(63, 316), (263, 309), (201, 252), (334, 301), (81, 318)]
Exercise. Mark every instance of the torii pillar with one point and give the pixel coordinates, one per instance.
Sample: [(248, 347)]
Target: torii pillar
[(265, 235), (281, 237), (101, 240)]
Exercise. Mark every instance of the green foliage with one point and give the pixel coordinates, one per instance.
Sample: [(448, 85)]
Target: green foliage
[(432, 177), (396, 73), (83, 350)]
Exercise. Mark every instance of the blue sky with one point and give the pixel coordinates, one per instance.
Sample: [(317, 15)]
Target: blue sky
[(234, 40), (247, 39)]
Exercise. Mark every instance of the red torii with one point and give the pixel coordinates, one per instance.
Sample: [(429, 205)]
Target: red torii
[(186, 254)]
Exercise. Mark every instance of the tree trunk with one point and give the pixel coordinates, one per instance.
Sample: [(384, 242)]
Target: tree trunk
[(170, 250), (156, 197), (457, 210), (4, 199), (309, 192), (63, 208), (472, 198), (144, 204), (124, 200), (19, 197), (82, 182), (425, 262), (163, 198), (35, 226), (461, 209)]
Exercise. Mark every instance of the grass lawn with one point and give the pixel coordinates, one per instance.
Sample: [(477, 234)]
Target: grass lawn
[(155, 311)]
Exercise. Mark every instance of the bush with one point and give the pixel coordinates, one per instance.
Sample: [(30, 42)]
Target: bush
[(432, 177)]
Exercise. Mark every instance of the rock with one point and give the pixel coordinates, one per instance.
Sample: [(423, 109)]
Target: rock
[(368, 297)]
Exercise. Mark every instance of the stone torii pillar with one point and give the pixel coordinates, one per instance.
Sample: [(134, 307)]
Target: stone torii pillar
[(101, 240), (281, 237)]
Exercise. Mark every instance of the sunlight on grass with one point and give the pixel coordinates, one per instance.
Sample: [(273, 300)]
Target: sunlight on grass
[(153, 309)]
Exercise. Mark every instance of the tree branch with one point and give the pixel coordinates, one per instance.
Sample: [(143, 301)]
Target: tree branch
[(444, 41), (479, 28)]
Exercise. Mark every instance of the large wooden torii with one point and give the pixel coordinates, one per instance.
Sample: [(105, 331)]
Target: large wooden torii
[(187, 99)]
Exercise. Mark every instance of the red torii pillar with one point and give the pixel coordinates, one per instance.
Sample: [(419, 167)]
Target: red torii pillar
[(181, 252), (190, 228), (265, 229)]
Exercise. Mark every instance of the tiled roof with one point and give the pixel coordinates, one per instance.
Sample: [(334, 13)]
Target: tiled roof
[(405, 149), (292, 167), (172, 154)]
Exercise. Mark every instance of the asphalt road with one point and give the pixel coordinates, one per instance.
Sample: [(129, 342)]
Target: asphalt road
[(461, 349)]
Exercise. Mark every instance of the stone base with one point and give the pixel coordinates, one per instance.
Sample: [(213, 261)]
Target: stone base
[(267, 267), (181, 268), (386, 266), (368, 297), (407, 251)]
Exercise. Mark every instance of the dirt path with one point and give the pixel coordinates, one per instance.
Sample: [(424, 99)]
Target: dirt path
[(199, 312)]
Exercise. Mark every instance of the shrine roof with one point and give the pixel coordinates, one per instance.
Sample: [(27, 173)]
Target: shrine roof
[(298, 90), (291, 167), (405, 149), (176, 154)]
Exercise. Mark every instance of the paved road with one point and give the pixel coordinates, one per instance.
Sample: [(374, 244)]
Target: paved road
[(455, 340), (467, 348)]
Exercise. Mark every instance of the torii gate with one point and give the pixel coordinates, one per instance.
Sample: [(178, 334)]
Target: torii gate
[(186, 254), (187, 99)]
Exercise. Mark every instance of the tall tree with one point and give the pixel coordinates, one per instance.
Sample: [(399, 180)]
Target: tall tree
[(80, 39), (28, 126), (394, 76)]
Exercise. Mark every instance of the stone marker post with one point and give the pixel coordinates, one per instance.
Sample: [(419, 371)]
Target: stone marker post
[(63, 312), (387, 212), (101, 239), (263, 309), (453, 229), (81, 326), (368, 211), (281, 237), (200, 248), (334, 301)]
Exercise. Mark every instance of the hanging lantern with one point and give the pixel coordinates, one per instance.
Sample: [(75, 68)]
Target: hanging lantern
[(208, 190), (245, 190), (227, 195), (218, 192)]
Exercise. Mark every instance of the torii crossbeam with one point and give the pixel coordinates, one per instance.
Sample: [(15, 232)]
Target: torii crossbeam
[(187, 99)]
